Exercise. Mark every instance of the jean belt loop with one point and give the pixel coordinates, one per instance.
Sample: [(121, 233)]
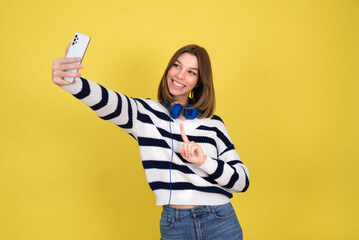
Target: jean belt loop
[(212, 209), (177, 214)]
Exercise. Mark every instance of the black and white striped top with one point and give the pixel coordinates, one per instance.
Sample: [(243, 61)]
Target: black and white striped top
[(149, 123)]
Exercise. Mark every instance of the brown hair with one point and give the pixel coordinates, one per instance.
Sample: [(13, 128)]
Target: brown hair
[(203, 93)]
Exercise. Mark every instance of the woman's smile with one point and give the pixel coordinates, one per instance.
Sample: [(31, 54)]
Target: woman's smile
[(177, 84)]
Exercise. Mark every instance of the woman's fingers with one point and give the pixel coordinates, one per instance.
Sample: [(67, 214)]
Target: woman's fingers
[(67, 60), (66, 66), (183, 134), (189, 149), (59, 67), (58, 77), (183, 154), (193, 153), (192, 148), (62, 74), (187, 145), (184, 151)]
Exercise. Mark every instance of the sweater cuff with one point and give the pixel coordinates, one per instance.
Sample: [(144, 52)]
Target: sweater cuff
[(74, 88), (209, 166)]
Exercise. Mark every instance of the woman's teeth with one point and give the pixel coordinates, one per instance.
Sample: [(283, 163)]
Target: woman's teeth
[(177, 84)]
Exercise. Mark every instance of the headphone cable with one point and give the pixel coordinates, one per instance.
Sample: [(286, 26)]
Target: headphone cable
[(169, 200)]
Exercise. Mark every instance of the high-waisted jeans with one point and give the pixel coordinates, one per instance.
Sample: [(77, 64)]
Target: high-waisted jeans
[(200, 223)]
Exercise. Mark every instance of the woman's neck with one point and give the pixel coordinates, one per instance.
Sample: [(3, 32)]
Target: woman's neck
[(181, 100), (182, 117)]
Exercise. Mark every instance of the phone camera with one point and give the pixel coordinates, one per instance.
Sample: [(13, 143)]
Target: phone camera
[(76, 36), (73, 43)]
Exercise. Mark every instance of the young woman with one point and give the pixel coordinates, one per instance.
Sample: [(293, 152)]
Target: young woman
[(189, 159)]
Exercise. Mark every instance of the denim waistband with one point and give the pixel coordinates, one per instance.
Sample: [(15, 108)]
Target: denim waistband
[(179, 213)]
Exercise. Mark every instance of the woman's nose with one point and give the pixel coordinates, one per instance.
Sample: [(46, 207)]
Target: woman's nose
[(180, 74)]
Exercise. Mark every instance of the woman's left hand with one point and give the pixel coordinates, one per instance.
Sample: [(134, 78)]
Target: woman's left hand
[(192, 152)]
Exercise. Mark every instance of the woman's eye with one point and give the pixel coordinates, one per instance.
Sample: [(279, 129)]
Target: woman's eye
[(176, 65), (192, 73)]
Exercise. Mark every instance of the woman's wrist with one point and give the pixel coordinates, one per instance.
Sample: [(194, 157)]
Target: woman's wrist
[(202, 160)]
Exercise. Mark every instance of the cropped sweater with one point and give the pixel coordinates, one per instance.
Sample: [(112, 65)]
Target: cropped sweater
[(148, 122)]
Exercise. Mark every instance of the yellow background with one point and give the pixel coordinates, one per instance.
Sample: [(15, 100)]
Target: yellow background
[(286, 79)]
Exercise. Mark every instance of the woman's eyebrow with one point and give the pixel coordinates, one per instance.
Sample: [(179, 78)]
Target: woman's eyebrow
[(182, 64)]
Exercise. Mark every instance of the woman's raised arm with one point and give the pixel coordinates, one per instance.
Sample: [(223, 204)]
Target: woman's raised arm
[(107, 104)]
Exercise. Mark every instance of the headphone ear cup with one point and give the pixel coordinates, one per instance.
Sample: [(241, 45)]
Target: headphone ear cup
[(176, 110), (191, 113)]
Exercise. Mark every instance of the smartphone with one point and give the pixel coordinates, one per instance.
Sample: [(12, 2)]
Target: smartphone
[(78, 48)]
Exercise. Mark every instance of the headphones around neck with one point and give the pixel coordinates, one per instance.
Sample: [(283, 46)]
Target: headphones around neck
[(177, 109)]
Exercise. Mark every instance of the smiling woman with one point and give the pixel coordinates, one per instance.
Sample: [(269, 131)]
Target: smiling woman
[(191, 65), (189, 159)]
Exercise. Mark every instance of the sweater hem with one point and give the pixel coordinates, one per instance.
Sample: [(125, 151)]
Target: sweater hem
[(189, 197)]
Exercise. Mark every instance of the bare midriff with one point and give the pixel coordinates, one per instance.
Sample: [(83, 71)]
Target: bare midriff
[(183, 206)]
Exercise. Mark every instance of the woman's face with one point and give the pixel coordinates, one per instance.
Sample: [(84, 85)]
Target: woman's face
[(182, 77)]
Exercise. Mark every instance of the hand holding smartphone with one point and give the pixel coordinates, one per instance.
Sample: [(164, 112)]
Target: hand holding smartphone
[(77, 48)]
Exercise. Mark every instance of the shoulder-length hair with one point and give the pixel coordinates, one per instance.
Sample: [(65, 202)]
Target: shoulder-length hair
[(203, 96)]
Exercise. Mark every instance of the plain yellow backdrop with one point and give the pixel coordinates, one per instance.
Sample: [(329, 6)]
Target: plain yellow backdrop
[(286, 81)]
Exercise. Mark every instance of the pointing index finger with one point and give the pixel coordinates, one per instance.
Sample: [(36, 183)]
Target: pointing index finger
[(183, 134)]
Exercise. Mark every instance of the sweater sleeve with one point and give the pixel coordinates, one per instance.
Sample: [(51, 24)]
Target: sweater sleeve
[(109, 105), (227, 170)]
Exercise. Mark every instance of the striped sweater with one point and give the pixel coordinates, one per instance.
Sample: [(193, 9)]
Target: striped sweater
[(149, 123)]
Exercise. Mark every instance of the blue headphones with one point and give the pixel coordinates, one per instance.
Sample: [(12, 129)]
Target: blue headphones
[(177, 109)]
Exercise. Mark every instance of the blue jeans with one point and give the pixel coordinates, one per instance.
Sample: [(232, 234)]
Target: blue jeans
[(200, 223)]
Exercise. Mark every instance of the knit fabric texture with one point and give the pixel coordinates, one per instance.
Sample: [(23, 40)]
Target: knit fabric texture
[(148, 122)]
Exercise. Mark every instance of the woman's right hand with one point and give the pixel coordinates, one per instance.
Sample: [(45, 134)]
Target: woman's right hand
[(60, 65)]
